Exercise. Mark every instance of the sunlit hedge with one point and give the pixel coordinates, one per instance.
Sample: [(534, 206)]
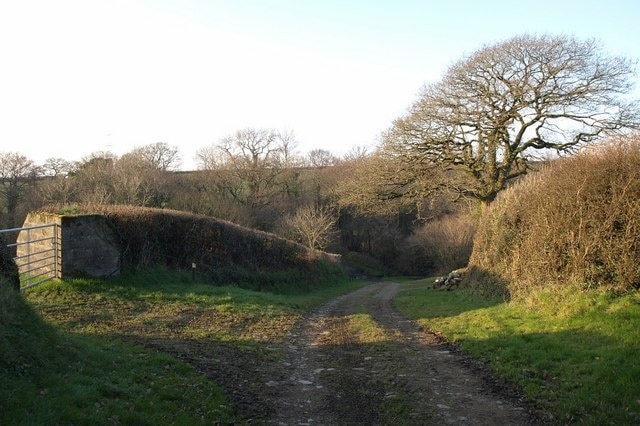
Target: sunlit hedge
[(576, 222)]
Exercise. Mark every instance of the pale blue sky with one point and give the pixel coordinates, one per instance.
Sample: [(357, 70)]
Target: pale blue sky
[(78, 76)]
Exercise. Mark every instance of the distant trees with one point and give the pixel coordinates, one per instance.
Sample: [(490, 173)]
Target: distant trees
[(93, 181), (139, 177), (159, 156), (58, 167), (58, 186), (255, 167), (321, 158), (497, 106), (254, 178), (137, 181), (250, 164), (17, 176)]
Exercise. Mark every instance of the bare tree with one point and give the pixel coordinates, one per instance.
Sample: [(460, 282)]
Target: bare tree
[(288, 145), (160, 155), (314, 226), (357, 153), (136, 181), (58, 186), (94, 178), (17, 177), (495, 107), (251, 164), (321, 158), (58, 167)]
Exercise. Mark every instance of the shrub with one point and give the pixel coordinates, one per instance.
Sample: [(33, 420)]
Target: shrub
[(439, 246), (575, 221)]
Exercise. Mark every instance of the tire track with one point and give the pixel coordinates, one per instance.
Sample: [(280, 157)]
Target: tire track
[(411, 378)]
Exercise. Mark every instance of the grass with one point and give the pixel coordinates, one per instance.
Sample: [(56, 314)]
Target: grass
[(153, 301), (576, 354), (53, 377), (76, 352), (365, 330)]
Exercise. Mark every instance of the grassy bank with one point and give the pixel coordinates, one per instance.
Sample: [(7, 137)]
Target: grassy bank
[(99, 352), (53, 377), (574, 353)]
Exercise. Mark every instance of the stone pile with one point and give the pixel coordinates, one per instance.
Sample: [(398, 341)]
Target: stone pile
[(448, 282)]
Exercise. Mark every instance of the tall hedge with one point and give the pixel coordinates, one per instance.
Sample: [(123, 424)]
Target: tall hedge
[(575, 222)]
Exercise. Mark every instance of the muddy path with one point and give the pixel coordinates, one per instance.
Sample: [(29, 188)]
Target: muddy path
[(335, 374)]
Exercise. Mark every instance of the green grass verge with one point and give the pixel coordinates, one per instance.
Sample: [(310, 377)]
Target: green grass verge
[(52, 377), (62, 359), (575, 354)]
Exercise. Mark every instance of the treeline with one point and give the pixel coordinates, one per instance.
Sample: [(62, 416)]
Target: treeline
[(412, 205), (254, 178)]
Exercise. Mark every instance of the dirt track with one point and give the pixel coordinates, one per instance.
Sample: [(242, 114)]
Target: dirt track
[(332, 378), (333, 373)]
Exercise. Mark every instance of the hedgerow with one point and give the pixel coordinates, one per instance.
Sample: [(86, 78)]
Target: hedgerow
[(221, 251), (576, 222)]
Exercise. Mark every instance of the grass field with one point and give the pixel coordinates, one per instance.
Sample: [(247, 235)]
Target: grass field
[(69, 351), (80, 352), (576, 354)]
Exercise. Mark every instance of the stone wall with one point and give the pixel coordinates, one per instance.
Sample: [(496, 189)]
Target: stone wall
[(89, 245)]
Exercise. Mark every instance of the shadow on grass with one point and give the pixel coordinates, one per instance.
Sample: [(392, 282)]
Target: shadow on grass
[(182, 283), (241, 369), (483, 283), (53, 377), (582, 369), (580, 376)]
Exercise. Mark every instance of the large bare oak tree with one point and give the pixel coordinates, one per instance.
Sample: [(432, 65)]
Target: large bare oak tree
[(498, 105)]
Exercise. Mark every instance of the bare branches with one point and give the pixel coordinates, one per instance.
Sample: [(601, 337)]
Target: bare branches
[(17, 175), (159, 155), (527, 93), (251, 164), (313, 226)]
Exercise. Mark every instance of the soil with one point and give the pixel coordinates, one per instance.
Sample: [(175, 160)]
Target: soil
[(329, 377)]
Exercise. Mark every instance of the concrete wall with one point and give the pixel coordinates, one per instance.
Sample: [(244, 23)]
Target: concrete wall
[(88, 245)]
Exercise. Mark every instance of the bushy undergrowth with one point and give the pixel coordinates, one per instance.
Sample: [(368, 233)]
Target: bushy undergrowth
[(439, 246), (576, 222), (222, 251), (365, 265)]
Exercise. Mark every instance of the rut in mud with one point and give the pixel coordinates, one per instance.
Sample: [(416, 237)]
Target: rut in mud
[(333, 376)]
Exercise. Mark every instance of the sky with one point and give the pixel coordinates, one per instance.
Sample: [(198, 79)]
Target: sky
[(82, 76)]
